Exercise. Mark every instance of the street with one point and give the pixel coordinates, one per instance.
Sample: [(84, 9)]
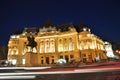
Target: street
[(109, 71)]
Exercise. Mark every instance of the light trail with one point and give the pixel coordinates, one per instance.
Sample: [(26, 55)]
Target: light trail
[(25, 68), (18, 77), (62, 72), (96, 70)]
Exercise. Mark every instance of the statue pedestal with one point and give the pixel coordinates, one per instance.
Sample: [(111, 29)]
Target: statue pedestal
[(31, 59)]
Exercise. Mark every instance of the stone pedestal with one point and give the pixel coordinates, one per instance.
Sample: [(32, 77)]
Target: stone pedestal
[(31, 59)]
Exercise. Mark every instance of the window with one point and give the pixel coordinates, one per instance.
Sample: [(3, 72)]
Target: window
[(65, 45), (42, 47), (47, 46), (60, 47), (23, 61), (71, 45), (89, 43), (52, 46), (85, 44), (81, 46)]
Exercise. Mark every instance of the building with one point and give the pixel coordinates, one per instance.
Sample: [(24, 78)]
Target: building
[(49, 43), (109, 50)]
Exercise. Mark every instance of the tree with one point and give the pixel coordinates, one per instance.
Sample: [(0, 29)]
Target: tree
[(3, 53)]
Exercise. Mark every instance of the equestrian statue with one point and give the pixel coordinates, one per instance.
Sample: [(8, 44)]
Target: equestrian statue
[(31, 43)]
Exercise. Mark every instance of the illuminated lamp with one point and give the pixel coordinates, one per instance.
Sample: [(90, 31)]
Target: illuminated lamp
[(61, 61), (14, 61)]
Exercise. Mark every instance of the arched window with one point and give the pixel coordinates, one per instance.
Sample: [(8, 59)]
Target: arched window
[(102, 47), (47, 46), (89, 43), (65, 45), (98, 46), (52, 46), (42, 47), (60, 45), (81, 45), (85, 44), (71, 44)]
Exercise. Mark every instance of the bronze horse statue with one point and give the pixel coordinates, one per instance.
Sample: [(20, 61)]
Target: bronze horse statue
[(31, 43)]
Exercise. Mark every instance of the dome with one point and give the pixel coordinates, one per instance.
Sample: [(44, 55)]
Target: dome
[(83, 27), (48, 27)]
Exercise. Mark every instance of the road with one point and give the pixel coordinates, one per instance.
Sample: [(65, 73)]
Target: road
[(109, 71)]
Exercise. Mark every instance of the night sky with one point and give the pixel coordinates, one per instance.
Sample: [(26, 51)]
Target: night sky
[(102, 16)]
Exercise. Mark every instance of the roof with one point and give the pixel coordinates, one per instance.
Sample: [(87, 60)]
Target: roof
[(31, 30), (47, 24), (82, 26), (65, 27)]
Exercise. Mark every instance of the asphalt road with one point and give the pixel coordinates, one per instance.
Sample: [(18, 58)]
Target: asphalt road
[(89, 72)]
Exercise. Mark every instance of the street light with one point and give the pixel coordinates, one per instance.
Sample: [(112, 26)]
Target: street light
[(118, 52)]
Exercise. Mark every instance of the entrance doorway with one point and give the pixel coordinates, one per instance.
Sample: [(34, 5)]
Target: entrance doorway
[(66, 58), (47, 60)]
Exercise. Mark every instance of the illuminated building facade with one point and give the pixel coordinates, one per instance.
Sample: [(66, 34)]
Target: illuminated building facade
[(55, 43), (108, 48)]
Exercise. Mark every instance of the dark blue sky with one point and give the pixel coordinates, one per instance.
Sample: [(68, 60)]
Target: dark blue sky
[(102, 16)]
